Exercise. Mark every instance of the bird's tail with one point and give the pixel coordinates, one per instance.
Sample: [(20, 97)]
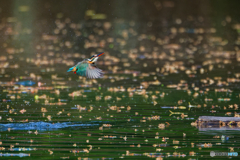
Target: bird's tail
[(70, 69)]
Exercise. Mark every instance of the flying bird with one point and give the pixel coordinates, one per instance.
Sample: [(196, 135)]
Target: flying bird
[(88, 68)]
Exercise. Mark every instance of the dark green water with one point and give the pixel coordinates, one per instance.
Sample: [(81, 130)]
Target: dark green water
[(161, 73)]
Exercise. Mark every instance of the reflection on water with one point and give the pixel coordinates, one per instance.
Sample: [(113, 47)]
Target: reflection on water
[(164, 68), (42, 126), (14, 154)]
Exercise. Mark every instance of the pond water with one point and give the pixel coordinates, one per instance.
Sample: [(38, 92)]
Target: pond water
[(162, 70)]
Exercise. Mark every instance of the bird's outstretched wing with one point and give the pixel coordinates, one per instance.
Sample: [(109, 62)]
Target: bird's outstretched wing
[(89, 70), (93, 71)]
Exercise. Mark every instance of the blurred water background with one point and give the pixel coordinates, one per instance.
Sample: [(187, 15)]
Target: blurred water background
[(166, 63)]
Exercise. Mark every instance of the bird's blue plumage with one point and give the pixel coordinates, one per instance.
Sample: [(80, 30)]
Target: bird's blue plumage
[(81, 68), (70, 69)]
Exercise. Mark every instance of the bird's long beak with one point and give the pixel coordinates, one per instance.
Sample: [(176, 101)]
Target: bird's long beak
[(100, 54)]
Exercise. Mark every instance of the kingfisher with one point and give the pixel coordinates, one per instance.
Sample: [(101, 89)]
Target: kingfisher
[(88, 68)]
